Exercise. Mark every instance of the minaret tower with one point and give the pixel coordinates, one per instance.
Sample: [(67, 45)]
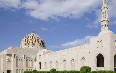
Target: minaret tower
[(104, 17)]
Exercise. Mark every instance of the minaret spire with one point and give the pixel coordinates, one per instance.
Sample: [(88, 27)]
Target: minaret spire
[(104, 2), (104, 17)]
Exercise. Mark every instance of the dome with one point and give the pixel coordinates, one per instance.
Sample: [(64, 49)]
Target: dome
[(32, 41)]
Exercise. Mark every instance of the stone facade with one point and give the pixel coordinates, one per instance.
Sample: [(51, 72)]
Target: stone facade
[(99, 54), (20, 59)]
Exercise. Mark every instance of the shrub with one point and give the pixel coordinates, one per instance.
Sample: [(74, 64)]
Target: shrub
[(101, 71), (53, 71), (34, 71), (85, 69), (28, 72)]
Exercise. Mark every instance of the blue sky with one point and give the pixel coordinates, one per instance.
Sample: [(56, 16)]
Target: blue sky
[(61, 23)]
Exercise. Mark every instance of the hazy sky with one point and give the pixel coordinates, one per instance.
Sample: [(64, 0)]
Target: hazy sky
[(61, 23)]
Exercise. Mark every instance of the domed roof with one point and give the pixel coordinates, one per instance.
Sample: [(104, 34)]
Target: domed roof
[(32, 40)]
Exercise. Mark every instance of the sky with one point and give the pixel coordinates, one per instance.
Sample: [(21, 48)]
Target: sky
[(61, 23)]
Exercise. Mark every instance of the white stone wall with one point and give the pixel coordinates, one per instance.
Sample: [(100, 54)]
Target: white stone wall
[(85, 55), (14, 59)]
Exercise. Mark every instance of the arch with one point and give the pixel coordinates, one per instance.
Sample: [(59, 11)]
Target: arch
[(39, 56), (51, 65), (39, 65), (45, 66), (72, 64), (43, 44), (103, 14), (22, 71), (115, 62), (105, 25), (100, 60), (16, 62), (82, 61), (19, 71), (57, 66), (16, 70), (64, 64), (26, 62)]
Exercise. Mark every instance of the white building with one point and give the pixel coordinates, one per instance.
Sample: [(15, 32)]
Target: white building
[(19, 59), (32, 54)]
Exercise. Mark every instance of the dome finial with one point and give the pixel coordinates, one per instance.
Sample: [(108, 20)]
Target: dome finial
[(33, 29)]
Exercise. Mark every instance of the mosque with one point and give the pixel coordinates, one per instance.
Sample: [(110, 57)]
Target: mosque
[(99, 54)]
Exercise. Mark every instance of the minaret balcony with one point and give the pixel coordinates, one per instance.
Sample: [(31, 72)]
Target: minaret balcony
[(105, 20)]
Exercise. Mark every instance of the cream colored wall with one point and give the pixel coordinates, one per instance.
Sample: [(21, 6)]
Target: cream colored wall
[(88, 52), (67, 55), (19, 56)]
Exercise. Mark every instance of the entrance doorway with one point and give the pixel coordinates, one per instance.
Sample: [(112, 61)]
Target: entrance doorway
[(115, 63), (8, 71), (100, 60)]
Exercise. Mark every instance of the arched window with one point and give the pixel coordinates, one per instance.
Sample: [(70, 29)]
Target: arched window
[(45, 66), (16, 62), (72, 64), (19, 71), (16, 70), (39, 56), (105, 25), (22, 71), (27, 62), (42, 43), (64, 64), (100, 60), (57, 65), (51, 65), (103, 14), (82, 61)]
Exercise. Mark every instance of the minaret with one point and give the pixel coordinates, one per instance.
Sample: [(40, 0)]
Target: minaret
[(104, 17)]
